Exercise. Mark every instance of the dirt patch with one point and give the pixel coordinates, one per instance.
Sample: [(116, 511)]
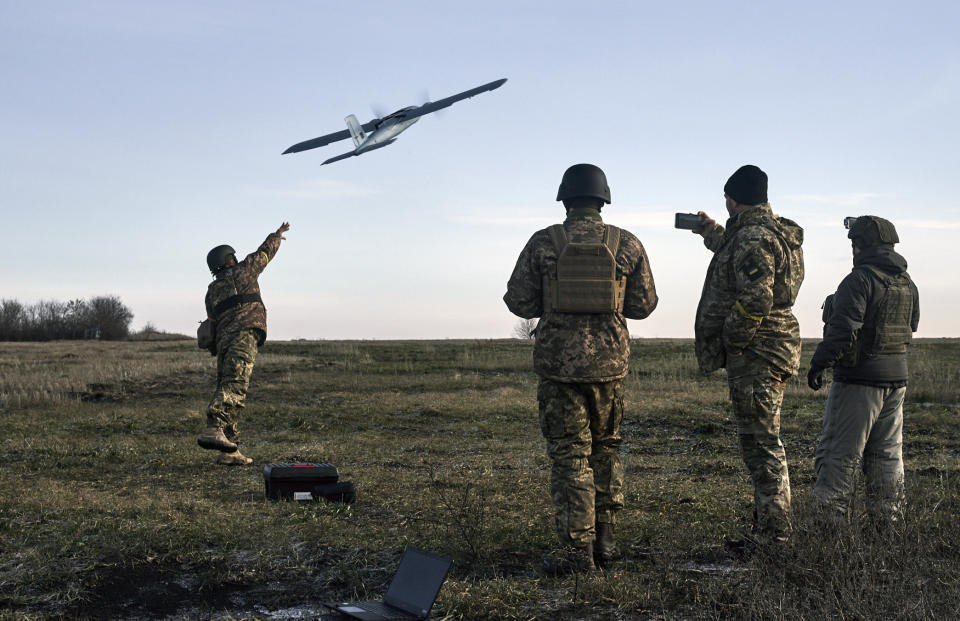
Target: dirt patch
[(157, 593)]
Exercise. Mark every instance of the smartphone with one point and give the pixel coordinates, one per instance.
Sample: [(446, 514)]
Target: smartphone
[(690, 221)]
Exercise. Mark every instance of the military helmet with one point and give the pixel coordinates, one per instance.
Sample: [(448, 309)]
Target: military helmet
[(584, 180), (217, 257), (870, 231)]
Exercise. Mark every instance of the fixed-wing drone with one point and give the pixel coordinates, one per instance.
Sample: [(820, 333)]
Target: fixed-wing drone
[(379, 133)]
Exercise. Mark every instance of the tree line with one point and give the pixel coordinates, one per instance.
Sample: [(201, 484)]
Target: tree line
[(103, 317)]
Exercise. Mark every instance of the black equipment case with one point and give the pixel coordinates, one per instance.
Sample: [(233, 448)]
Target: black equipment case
[(306, 482)]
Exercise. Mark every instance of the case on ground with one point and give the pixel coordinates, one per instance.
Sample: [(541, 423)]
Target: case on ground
[(297, 481), (344, 491)]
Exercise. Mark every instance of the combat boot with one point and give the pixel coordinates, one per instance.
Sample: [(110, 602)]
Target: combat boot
[(605, 548), (213, 439), (570, 560), (233, 459)]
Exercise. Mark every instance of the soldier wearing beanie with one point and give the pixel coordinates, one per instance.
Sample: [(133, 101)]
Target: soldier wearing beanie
[(745, 324), (869, 322)]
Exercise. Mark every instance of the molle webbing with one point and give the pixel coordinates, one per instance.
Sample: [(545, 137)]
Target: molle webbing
[(234, 301), (586, 275), (889, 332)]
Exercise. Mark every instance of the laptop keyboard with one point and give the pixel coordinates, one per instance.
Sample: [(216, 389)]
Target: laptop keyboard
[(382, 609)]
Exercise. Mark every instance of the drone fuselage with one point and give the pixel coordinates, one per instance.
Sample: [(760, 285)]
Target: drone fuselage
[(387, 129)]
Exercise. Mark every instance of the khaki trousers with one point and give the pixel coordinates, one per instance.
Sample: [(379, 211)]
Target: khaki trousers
[(862, 430)]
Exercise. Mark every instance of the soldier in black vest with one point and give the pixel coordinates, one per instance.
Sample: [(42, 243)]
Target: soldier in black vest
[(869, 322), (583, 279)]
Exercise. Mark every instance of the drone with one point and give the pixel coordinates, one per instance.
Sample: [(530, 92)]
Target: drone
[(382, 132)]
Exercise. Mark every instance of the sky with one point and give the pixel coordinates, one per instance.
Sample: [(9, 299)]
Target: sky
[(135, 136)]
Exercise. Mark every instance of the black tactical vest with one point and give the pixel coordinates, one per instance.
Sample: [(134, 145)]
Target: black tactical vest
[(887, 330)]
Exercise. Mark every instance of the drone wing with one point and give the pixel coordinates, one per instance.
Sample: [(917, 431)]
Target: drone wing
[(322, 141), (433, 106)]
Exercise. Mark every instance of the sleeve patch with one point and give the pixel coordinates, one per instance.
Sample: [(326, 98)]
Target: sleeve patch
[(750, 269)]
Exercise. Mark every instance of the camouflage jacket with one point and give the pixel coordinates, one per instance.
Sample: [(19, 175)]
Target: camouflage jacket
[(750, 288), (573, 347), (242, 279)]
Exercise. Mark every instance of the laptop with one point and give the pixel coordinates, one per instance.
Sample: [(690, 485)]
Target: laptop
[(411, 593)]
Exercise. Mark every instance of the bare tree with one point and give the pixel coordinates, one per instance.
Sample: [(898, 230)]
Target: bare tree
[(525, 329), (111, 316)]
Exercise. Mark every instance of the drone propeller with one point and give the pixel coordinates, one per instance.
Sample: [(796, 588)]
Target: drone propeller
[(378, 111)]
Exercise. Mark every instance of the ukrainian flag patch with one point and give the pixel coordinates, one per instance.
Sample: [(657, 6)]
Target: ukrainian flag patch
[(751, 269)]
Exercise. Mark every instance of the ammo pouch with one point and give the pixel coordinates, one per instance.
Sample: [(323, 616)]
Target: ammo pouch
[(586, 275), (207, 336), (207, 331)]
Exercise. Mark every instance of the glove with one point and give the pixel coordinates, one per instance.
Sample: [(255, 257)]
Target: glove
[(815, 378)]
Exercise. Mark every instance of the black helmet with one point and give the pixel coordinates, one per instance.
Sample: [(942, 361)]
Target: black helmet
[(870, 231), (217, 257), (584, 180)]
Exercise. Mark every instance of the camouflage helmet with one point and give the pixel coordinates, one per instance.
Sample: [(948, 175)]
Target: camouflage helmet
[(217, 258), (584, 180), (869, 231)]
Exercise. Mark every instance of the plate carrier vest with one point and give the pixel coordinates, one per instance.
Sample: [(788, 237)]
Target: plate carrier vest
[(585, 280), (888, 330)]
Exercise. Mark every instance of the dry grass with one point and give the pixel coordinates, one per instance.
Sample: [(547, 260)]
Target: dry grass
[(109, 509)]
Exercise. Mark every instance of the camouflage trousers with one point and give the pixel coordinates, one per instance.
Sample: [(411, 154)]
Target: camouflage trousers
[(236, 354), (862, 428), (756, 392), (581, 424)]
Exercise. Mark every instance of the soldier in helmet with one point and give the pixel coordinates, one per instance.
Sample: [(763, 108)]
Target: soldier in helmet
[(745, 323), (583, 279), (868, 323), (234, 305)]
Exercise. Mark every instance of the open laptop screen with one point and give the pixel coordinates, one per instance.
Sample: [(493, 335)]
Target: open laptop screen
[(417, 581)]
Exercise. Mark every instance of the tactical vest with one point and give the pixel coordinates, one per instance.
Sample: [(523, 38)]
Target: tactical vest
[(585, 280), (888, 331)]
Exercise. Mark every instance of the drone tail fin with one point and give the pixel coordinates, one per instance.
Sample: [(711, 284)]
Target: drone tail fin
[(344, 156), (356, 131)]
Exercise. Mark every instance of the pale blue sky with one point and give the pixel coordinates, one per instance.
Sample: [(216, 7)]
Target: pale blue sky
[(134, 136)]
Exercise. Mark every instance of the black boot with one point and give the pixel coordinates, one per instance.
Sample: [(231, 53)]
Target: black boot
[(605, 548), (571, 560)]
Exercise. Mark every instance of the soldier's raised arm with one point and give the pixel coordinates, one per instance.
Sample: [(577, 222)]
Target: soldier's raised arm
[(259, 258)]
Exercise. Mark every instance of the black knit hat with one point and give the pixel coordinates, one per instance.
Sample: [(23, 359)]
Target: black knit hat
[(747, 186)]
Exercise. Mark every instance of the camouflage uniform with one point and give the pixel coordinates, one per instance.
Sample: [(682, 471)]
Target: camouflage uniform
[(241, 330), (581, 360), (745, 323)]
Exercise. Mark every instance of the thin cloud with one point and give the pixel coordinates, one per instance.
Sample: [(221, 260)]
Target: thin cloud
[(646, 217), (928, 224), (849, 199), (322, 189)]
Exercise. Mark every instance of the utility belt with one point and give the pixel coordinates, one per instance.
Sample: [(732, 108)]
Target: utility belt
[(235, 300), (207, 330)]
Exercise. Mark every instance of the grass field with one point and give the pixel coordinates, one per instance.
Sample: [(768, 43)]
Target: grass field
[(108, 509)]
